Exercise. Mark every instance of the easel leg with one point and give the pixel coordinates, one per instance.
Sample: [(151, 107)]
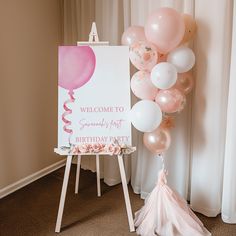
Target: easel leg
[(63, 194), (98, 175), (126, 193), (77, 174)]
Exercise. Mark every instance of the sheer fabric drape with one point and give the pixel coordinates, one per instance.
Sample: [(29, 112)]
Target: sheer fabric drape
[(201, 159)]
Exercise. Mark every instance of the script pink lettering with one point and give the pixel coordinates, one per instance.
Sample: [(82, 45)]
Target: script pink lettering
[(105, 124)]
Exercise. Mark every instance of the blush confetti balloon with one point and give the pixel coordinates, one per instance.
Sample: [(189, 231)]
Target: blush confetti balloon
[(170, 100), (143, 55), (142, 87)]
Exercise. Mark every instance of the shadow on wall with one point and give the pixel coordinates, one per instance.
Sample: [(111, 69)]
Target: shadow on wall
[(199, 96), (31, 33)]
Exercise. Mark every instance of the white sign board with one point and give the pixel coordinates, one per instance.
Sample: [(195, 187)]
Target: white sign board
[(99, 113)]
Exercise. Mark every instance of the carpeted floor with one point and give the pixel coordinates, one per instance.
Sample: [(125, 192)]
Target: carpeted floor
[(32, 211)]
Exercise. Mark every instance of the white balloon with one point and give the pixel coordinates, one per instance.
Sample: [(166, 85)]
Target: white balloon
[(146, 115), (182, 58), (164, 75)]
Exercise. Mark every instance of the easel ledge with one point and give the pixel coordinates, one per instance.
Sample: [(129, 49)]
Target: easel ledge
[(63, 152), (66, 178), (66, 153)]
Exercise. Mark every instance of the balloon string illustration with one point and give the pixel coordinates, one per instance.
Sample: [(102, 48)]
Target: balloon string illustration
[(74, 73), (67, 112)]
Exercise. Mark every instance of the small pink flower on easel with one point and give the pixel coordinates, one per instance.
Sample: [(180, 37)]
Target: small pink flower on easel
[(83, 148), (98, 147), (113, 149)]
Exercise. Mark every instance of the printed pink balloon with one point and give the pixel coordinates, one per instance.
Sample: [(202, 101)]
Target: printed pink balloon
[(142, 86), (133, 34), (165, 28), (76, 66), (184, 82), (157, 141), (170, 100), (143, 55)]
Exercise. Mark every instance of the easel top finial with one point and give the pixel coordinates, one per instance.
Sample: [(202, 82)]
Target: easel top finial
[(93, 38)]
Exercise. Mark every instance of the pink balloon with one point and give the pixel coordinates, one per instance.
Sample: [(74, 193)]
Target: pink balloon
[(133, 34), (157, 141), (142, 86), (184, 82), (165, 28), (143, 55), (76, 66), (170, 100)]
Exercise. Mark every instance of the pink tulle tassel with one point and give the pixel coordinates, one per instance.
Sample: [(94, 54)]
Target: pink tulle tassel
[(166, 213)]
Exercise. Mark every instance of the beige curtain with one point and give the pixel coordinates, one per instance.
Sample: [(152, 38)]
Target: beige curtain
[(78, 16), (200, 145), (228, 211), (213, 49)]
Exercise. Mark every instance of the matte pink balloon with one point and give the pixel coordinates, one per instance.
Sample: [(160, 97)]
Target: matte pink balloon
[(133, 34), (170, 100), (165, 28), (142, 86), (76, 66), (184, 82), (143, 55), (157, 141)]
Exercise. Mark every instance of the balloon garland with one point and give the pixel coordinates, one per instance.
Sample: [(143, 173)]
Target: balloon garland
[(162, 82)]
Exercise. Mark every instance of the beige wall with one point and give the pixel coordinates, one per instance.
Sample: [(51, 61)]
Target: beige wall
[(30, 32)]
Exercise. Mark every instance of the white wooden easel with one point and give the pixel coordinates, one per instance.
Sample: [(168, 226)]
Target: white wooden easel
[(93, 40)]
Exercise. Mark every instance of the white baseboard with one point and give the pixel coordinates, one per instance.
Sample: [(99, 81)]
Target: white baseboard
[(31, 178)]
